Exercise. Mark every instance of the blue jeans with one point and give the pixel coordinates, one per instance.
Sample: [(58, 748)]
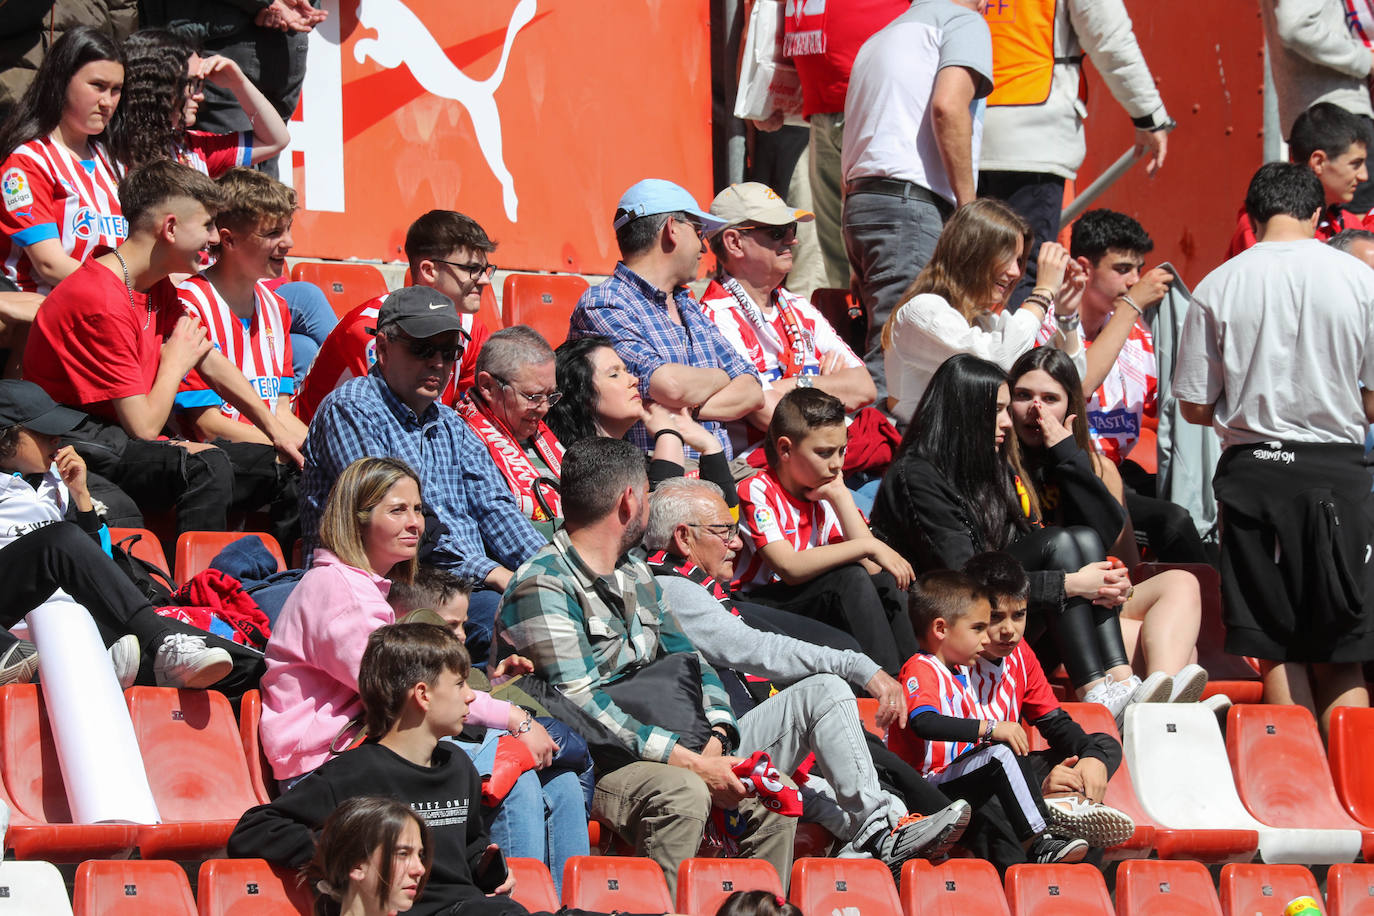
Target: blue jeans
[(482, 606), (312, 318)]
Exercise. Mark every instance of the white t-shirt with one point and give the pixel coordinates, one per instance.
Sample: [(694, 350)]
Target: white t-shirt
[(1278, 339), (888, 131)]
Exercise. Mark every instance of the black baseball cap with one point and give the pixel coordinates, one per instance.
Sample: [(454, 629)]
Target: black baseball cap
[(418, 311), (25, 404)]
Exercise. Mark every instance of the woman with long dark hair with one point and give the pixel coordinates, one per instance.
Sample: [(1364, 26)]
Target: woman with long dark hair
[(1162, 615), (953, 491), (59, 186), (164, 84)]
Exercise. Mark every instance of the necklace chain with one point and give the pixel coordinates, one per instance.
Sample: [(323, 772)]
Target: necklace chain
[(129, 287)]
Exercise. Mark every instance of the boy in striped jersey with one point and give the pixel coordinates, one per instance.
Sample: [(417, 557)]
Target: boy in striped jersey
[(964, 755), (1009, 684), (808, 546)]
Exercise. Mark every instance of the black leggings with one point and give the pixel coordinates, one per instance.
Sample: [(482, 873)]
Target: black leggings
[(1087, 636)]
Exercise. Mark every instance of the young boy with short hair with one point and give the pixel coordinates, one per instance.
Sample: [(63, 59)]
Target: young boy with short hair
[(961, 753), (1331, 142), (809, 549), (244, 319), (1009, 684), (413, 682), (443, 592)]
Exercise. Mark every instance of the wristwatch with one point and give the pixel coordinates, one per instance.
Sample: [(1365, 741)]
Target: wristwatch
[(805, 381), (727, 744)]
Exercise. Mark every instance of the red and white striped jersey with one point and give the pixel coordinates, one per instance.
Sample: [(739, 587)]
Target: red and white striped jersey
[(214, 154), (1128, 394), (260, 347), (768, 513), (1013, 688), (48, 193), (931, 686)]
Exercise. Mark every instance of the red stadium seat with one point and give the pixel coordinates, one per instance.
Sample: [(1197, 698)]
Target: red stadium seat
[(194, 758), (845, 314), (868, 715), (957, 887), (250, 887), (344, 284), (489, 312), (40, 820), (1150, 887), (544, 302), (812, 840), (607, 883), (1247, 889), (259, 770), (533, 885), (195, 550), (703, 884), (821, 886), (123, 887), (1350, 751), (1267, 746), (145, 546), (1350, 890), (1058, 890)]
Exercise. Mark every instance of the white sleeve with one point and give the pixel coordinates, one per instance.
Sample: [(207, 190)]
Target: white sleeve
[(1104, 30), (928, 330), (828, 339), (1301, 29)]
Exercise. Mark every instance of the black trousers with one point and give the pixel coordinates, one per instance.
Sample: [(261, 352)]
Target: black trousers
[(1039, 198), (62, 556), (992, 771), (1166, 528), (1087, 637), (868, 607)]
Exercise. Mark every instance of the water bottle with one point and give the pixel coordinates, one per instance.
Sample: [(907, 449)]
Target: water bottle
[(1302, 906)]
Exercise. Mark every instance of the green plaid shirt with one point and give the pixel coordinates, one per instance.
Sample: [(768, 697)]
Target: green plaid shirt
[(582, 630)]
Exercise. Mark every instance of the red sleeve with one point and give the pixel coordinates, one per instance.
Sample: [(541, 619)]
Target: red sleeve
[(348, 352), (221, 152), (193, 380), (758, 519), (922, 686), (1244, 236), (29, 197), (1038, 700)]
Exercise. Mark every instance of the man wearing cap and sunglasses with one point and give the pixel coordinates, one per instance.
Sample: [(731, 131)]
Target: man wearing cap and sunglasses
[(790, 343), (447, 251), (656, 326), (394, 410)]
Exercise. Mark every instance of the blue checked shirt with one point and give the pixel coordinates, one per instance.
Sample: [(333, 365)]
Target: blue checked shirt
[(634, 315), (582, 630), (460, 482)]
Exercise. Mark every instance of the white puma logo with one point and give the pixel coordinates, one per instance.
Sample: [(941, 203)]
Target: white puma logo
[(403, 39)]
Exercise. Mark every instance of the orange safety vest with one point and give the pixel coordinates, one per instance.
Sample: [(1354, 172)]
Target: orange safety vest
[(1022, 50)]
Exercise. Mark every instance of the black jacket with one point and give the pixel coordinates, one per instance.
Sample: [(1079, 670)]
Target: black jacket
[(1073, 494)]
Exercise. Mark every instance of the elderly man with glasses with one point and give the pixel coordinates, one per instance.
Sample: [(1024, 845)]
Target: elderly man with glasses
[(789, 342), (447, 251), (476, 527), (655, 325), (516, 385)]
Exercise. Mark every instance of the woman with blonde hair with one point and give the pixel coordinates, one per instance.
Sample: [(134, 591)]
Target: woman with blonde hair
[(955, 304)]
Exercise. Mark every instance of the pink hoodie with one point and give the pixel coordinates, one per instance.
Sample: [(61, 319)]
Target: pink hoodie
[(310, 687)]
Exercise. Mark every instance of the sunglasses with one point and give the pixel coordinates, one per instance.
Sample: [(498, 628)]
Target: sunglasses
[(425, 349), (776, 233)]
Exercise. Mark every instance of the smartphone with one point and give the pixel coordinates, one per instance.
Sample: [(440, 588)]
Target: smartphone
[(491, 871)]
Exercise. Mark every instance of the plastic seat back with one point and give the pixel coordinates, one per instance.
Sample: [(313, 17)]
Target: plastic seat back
[(489, 312), (28, 757), (868, 715), (195, 550), (1247, 888), (343, 284), (259, 770), (845, 314), (1151, 887), (132, 887), (957, 887), (544, 302), (1057, 890), (193, 753), (855, 887), (1350, 890), (703, 884), (607, 883), (250, 887), (145, 546), (1350, 750), (1267, 745), (534, 888), (33, 887)]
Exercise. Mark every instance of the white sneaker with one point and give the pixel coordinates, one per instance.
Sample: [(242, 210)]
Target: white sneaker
[(1220, 704), (125, 656), (1189, 683), (1099, 825), (184, 660), (1157, 688)]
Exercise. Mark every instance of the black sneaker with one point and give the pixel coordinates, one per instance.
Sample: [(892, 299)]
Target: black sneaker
[(924, 836), (19, 664), (1048, 848)]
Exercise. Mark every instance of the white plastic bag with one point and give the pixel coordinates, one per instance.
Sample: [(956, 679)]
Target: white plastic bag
[(768, 82)]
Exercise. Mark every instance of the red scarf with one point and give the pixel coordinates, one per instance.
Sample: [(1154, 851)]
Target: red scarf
[(510, 458), (796, 343)]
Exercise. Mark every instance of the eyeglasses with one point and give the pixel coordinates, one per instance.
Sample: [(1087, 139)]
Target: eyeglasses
[(538, 400), (696, 226), (426, 349), (776, 233), (473, 270), (727, 532)]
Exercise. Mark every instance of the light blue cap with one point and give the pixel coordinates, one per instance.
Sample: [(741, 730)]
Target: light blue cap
[(656, 195)]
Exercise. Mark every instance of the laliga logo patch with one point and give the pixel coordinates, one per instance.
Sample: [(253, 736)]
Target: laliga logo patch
[(14, 185), (762, 516), (911, 685)]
